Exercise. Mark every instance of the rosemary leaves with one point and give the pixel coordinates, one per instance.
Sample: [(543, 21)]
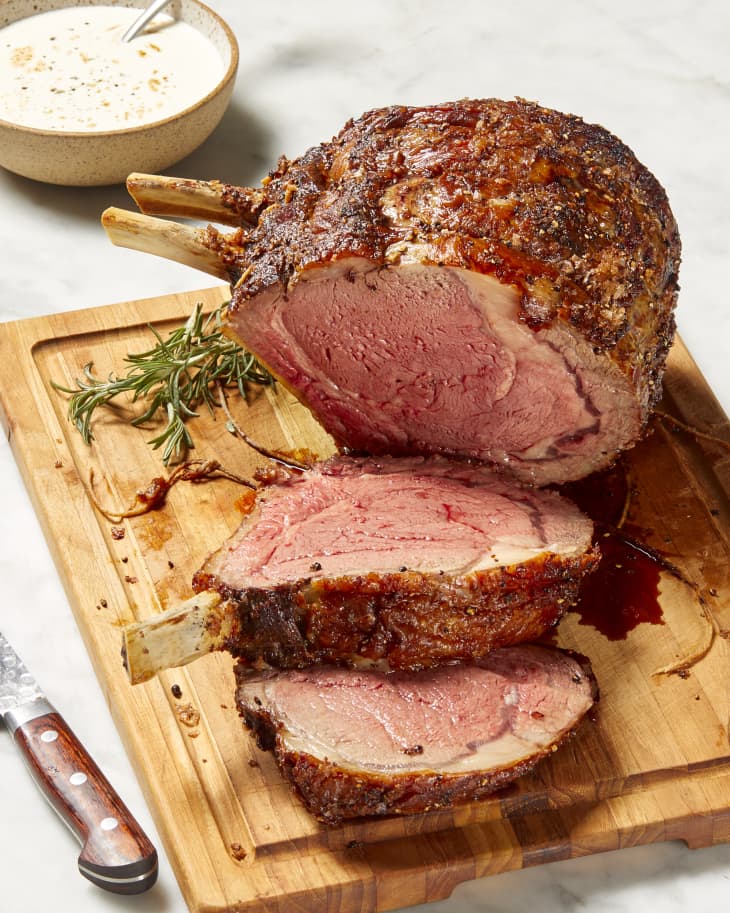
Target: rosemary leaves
[(177, 376)]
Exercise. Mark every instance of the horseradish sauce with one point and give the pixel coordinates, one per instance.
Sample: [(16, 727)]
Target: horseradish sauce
[(69, 70)]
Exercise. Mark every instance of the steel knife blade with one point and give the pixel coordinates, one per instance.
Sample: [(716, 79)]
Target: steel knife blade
[(116, 854)]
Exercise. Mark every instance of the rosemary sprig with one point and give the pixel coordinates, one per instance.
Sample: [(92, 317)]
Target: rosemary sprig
[(176, 376)]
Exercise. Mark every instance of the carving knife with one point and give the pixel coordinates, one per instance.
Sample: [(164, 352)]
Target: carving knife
[(116, 854)]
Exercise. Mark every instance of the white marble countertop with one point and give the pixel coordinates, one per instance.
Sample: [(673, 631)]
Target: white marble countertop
[(656, 73)]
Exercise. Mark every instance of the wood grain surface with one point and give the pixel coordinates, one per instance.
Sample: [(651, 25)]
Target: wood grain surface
[(654, 764)]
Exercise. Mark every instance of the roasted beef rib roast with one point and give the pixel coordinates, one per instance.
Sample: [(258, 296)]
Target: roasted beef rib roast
[(490, 280), (476, 284)]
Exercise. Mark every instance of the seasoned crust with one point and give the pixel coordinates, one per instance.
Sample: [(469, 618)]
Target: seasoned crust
[(333, 794), (558, 207), (409, 620)]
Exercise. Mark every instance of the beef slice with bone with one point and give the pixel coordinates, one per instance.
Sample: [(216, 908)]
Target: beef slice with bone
[(403, 562), (361, 742), (485, 279)]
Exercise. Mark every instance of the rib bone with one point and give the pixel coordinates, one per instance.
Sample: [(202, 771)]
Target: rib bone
[(170, 196), (174, 638), (203, 249)]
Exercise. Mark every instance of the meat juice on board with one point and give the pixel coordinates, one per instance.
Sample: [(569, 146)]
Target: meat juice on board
[(623, 592)]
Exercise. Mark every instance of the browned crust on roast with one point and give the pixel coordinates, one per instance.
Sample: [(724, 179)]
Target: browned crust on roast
[(410, 620), (559, 208), (245, 202), (333, 794)]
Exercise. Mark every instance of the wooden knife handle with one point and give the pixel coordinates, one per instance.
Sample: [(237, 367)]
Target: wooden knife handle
[(116, 853)]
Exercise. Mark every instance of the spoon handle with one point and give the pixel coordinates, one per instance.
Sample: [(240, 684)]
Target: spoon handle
[(141, 21)]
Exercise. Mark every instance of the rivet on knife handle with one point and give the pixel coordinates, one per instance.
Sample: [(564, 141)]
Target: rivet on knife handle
[(116, 854)]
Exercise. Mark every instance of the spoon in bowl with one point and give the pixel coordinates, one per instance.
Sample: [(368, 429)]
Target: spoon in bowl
[(141, 21)]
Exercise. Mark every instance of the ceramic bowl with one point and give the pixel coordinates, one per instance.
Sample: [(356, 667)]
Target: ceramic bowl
[(107, 157)]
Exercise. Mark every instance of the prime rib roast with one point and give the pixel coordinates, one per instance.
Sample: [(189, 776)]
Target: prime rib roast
[(476, 300), (355, 743), (490, 280), (405, 563)]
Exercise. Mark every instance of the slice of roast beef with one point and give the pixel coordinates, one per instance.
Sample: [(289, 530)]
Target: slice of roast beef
[(410, 561), (485, 279), (356, 743), (404, 562)]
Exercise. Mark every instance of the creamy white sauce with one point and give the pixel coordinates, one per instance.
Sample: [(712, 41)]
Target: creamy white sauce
[(69, 70)]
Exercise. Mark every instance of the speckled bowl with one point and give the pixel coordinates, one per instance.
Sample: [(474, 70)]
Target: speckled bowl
[(93, 159)]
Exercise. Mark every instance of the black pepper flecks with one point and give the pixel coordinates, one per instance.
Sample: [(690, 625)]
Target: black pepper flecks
[(413, 750)]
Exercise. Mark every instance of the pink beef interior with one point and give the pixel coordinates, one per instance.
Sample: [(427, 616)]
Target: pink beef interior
[(516, 701), (356, 517), (424, 359)]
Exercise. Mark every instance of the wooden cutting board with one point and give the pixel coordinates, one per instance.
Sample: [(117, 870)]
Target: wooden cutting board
[(654, 765)]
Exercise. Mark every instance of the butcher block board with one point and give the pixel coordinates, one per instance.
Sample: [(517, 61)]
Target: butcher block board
[(654, 765)]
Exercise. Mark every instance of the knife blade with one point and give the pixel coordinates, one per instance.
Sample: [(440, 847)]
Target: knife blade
[(116, 854)]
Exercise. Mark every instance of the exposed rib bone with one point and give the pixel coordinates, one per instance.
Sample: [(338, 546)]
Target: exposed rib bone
[(174, 638), (159, 195), (168, 239)]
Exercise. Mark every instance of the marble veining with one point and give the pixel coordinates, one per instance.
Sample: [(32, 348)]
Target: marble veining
[(656, 73)]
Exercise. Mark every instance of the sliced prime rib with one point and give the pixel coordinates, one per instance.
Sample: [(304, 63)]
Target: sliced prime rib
[(484, 279), (405, 562), (411, 561), (355, 743)]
